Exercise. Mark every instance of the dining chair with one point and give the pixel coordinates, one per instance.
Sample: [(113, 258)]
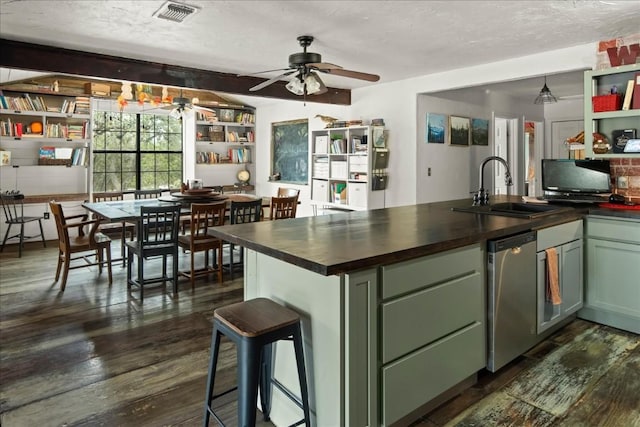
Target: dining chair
[(121, 228), (162, 242), (287, 192), (96, 242), (203, 217), (13, 207), (283, 207), (241, 213), (147, 194)]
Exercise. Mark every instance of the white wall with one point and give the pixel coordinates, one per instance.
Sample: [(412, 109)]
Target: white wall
[(397, 103)]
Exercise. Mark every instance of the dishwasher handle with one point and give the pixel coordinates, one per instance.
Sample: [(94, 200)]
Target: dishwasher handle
[(511, 241)]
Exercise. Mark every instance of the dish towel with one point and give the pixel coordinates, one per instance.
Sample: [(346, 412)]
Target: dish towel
[(553, 286)]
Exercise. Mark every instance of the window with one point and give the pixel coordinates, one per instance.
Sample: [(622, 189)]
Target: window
[(136, 151)]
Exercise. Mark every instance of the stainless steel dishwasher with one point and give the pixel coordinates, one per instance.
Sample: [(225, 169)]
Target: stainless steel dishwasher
[(511, 298)]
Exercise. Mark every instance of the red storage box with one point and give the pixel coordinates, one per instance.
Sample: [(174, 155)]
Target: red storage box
[(606, 102)]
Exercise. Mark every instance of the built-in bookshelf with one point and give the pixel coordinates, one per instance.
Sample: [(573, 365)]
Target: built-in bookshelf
[(225, 138)]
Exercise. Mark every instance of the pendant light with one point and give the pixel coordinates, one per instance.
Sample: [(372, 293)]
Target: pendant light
[(545, 96)]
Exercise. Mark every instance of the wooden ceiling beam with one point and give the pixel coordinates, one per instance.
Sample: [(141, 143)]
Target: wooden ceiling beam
[(35, 57)]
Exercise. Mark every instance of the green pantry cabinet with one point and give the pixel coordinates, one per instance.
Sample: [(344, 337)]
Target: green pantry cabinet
[(612, 272)]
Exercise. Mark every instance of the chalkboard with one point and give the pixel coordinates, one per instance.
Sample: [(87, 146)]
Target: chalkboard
[(290, 151)]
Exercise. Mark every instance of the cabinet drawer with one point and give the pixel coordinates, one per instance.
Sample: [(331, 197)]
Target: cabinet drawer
[(420, 318), (625, 230), (410, 276), (419, 377), (559, 235), (358, 194), (319, 191)]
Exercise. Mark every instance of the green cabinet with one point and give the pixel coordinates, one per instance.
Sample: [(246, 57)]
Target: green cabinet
[(432, 328), (567, 240), (613, 273)]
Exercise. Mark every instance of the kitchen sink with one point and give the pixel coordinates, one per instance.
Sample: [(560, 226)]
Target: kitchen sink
[(514, 209)]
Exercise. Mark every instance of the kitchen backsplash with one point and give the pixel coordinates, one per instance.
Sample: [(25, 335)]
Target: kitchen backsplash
[(629, 169)]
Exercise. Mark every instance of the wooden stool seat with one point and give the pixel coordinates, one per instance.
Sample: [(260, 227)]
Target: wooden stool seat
[(253, 326), (256, 317)]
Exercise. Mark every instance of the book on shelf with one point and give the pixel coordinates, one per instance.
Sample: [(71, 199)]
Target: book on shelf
[(47, 152), (636, 92), (626, 104)]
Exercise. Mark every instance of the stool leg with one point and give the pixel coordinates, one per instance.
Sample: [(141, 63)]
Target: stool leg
[(213, 361), (265, 380), (248, 374), (302, 375)]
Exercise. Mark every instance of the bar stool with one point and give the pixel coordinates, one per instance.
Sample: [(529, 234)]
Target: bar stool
[(254, 325)]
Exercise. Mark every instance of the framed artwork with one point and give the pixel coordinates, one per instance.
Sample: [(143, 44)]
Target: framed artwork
[(436, 128), (459, 131), (290, 151), (479, 132)]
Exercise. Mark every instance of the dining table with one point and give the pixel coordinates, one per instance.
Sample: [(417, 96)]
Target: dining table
[(129, 210)]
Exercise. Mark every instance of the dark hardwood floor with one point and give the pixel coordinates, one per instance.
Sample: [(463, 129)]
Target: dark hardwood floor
[(94, 356)]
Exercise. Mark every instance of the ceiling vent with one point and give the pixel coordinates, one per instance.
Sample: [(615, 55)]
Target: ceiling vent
[(176, 12)]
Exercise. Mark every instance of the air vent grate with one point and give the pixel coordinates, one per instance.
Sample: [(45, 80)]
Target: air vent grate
[(176, 12)]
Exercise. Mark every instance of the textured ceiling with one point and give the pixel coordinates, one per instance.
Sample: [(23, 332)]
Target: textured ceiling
[(395, 39)]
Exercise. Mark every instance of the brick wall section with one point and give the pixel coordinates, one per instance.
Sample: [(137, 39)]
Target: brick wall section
[(631, 169)]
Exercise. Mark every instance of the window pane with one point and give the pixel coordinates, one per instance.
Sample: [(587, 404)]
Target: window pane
[(162, 162), (175, 162), (113, 121), (175, 142), (147, 123), (98, 162), (112, 182), (147, 141), (175, 179), (148, 180), (113, 140), (128, 181), (129, 141), (129, 122), (147, 162), (98, 182), (99, 120), (162, 124), (113, 162), (129, 162)]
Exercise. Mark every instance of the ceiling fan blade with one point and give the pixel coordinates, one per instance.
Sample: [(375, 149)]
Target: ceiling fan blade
[(352, 74), (323, 66), (199, 108), (262, 72), (270, 81)]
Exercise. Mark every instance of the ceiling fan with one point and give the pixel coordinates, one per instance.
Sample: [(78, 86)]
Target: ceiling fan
[(306, 65), (180, 104)]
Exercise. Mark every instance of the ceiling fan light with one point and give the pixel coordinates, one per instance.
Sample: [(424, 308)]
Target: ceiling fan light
[(176, 113), (295, 86), (314, 84), (545, 96)]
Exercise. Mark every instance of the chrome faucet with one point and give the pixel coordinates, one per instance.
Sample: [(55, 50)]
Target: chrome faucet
[(481, 197)]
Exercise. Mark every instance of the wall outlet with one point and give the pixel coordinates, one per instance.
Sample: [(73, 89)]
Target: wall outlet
[(46, 215), (622, 182)]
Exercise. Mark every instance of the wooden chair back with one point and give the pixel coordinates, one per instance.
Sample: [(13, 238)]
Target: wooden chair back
[(108, 196), (62, 226), (12, 205), (147, 194), (165, 221), (243, 212), (288, 192), (205, 216), (283, 207)]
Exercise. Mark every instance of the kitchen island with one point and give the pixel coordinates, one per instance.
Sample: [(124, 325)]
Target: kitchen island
[(392, 302)]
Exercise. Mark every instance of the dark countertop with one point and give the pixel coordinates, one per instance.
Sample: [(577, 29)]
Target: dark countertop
[(334, 244)]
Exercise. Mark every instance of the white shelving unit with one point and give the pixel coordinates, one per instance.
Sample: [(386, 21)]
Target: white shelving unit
[(347, 170)]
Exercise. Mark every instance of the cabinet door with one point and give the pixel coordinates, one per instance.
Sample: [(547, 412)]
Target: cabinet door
[(613, 272), (548, 314), (571, 277)]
